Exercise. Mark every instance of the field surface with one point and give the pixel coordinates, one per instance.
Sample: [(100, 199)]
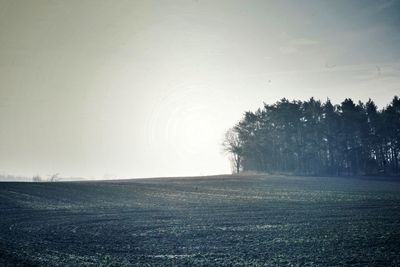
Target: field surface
[(209, 221)]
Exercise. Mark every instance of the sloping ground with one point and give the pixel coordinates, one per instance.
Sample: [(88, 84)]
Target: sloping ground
[(226, 220)]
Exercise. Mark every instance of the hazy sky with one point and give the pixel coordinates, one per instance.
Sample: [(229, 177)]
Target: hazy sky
[(106, 89)]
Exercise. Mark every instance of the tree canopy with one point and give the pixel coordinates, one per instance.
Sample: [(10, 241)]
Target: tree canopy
[(313, 138)]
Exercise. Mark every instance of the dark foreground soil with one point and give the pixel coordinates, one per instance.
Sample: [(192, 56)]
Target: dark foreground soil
[(211, 221)]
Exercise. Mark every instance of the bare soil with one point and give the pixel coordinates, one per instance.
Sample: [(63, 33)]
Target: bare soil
[(254, 220)]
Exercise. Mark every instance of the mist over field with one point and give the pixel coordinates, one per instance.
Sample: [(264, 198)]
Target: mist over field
[(107, 90)]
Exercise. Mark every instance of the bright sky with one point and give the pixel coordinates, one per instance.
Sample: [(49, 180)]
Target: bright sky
[(107, 89)]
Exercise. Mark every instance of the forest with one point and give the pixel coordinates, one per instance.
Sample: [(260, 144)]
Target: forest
[(317, 138)]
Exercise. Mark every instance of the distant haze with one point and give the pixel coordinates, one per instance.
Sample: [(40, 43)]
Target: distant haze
[(107, 89)]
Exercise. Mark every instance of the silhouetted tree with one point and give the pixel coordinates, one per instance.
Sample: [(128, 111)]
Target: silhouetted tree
[(311, 137)]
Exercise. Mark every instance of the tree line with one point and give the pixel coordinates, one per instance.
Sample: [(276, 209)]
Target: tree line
[(315, 138)]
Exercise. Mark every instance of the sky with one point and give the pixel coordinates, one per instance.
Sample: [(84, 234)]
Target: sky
[(125, 89)]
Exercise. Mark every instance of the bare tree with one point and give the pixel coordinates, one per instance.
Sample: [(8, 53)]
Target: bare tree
[(53, 177), (36, 179), (233, 145)]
